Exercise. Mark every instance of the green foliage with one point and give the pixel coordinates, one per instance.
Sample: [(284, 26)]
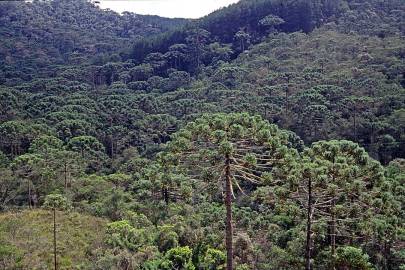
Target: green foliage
[(167, 238), (214, 259), (3, 160), (10, 257), (353, 258), (56, 201), (74, 26), (115, 204), (122, 235), (45, 144), (242, 267), (178, 258), (271, 21)]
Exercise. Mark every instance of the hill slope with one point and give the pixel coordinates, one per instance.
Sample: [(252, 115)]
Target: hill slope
[(37, 36), (27, 238), (283, 78)]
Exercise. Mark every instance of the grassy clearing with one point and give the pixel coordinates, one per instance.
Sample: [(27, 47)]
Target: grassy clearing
[(26, 239)]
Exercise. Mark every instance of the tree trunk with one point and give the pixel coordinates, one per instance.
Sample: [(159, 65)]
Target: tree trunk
[(198, 52), (165, 194), (29, 194), (333, 234), (65, 174), (309, 223), (112, 147), (54, 238), (373, 149), (355, 123), (287, 98), (228, 205), (94, 80)]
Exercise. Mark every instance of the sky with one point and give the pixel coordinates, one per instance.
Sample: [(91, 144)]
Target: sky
[(167, 8)]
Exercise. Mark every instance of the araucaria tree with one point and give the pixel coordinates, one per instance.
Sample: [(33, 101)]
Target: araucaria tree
[(229, 153), (55, 202), (337, 186)]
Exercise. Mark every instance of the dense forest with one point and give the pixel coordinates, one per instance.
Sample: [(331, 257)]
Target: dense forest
[(269, 134)]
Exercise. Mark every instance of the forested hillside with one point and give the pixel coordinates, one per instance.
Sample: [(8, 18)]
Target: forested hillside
[(38, 37), (267, 135)]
